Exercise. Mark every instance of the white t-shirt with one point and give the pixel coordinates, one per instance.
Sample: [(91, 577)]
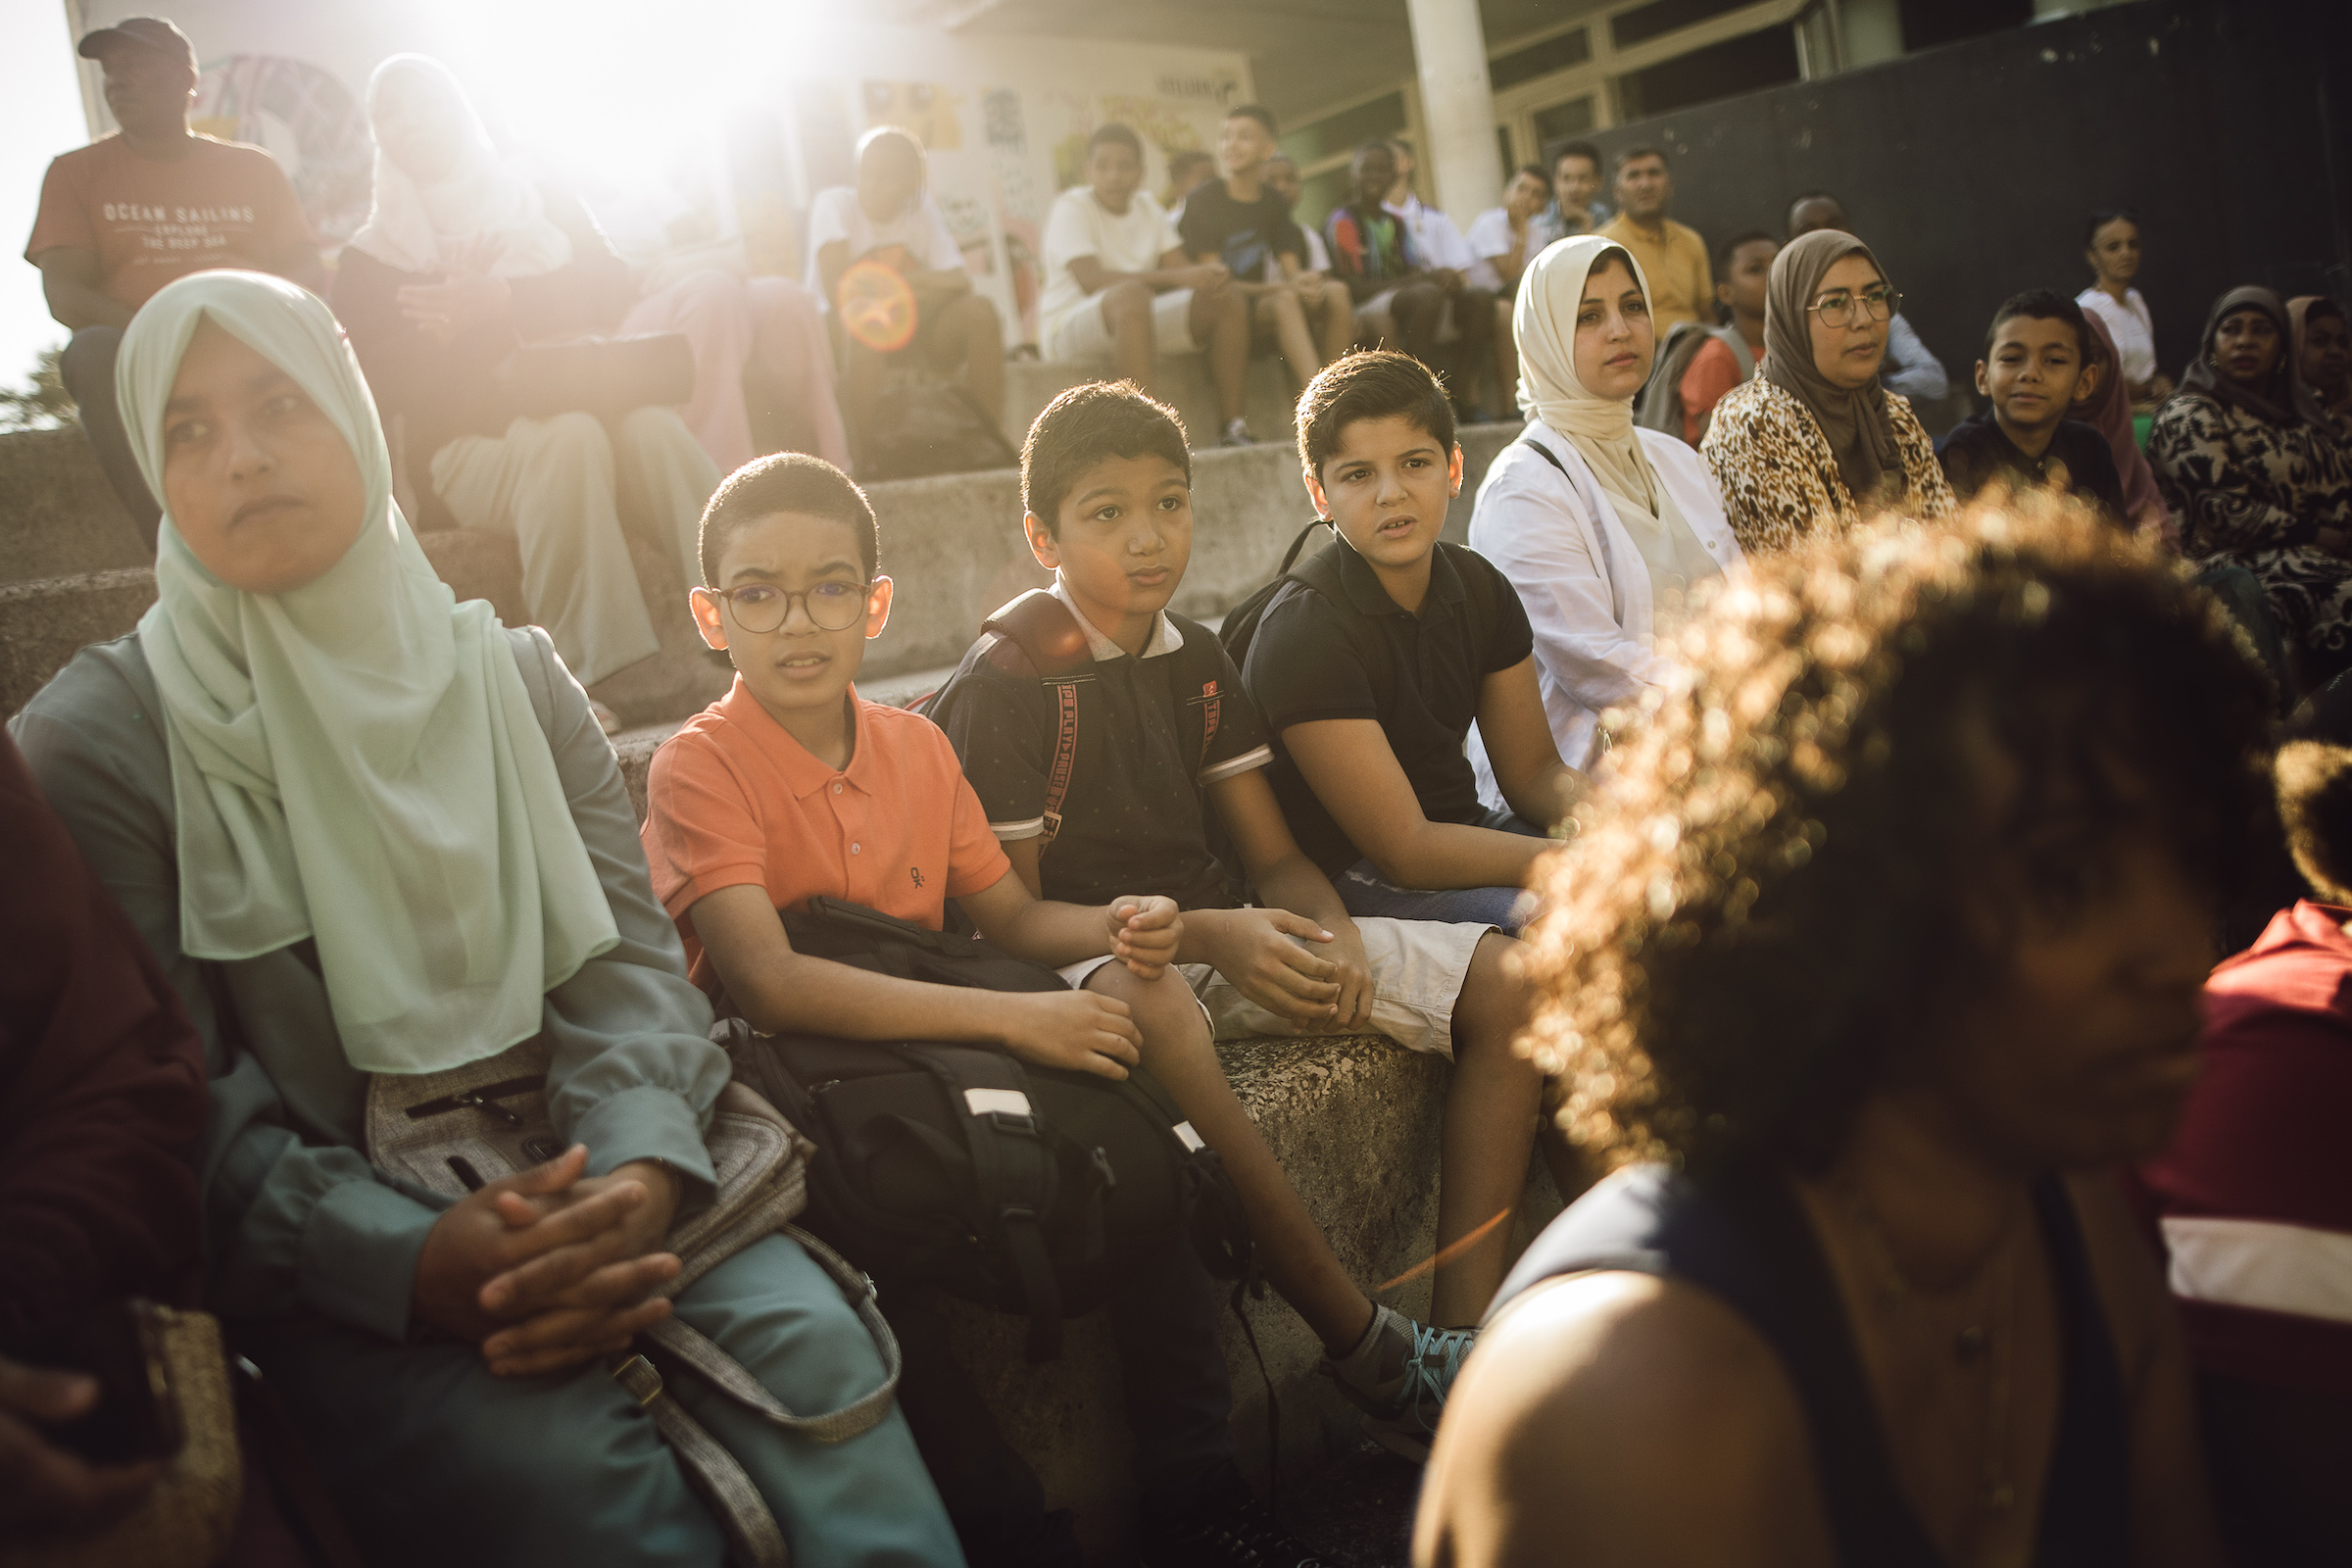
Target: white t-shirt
[(1132, 242), (1490, 237), (1435, 236), (2128, 323), (922, 228)]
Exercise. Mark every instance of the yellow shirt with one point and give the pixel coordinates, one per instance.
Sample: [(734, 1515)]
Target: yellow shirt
[(1682, 283)]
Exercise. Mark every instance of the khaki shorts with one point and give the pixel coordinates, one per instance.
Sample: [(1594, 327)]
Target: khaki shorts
[(1418, 970), (1083, 334)]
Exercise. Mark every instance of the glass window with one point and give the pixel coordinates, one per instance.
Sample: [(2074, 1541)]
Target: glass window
[(1570, 119), (1343, 132), (1571, 48)]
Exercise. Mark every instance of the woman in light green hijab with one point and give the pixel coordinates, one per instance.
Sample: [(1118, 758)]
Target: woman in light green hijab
[(366, 829)]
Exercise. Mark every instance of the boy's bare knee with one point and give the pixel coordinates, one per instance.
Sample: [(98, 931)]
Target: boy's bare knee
[(1127, 299)]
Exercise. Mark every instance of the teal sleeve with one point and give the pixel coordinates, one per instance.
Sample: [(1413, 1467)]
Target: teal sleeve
[(635, 1072), (294, 1215)]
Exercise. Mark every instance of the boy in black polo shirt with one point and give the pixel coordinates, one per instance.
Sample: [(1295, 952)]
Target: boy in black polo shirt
[(1097, 738), (2033, 365), (1372, 661)]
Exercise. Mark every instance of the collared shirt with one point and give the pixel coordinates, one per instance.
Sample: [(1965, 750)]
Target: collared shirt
[(732, 799), (1434, 235), (1674, 262), (1977, 451), (1166, 637), (1134, 812), (1305, 664)]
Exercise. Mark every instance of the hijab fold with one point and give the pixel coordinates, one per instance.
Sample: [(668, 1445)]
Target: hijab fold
[(1601, 429), (355, 760), (483, 216), (1860, 431), (2283, 400), (2109, 411)]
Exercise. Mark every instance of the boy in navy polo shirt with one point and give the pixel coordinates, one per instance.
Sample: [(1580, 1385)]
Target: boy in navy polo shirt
[(1372, 661), (1099, 771)]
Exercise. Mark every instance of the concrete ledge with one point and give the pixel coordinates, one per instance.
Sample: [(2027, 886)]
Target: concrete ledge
[(44, 623), (1180, 380), (58, 515)]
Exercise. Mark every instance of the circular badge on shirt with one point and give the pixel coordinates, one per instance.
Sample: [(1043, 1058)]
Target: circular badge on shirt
[(877, 308)]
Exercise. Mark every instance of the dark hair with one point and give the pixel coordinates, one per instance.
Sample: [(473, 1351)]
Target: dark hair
[(2102, 218), (1114, 134), (1789, 216), (1730, 248), (1365, 149), (2041, 305), (1258, 111), (1369, 384), (1085, 425), (1537, 169), (2315, 806), (1577, 149), (787, 481), (1765, 899), (1185, 157), (1643, 150)]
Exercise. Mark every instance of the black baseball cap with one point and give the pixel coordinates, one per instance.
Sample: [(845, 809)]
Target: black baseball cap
[(151, 33)]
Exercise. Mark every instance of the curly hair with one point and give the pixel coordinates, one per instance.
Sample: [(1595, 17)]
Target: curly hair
[(1763, 914)]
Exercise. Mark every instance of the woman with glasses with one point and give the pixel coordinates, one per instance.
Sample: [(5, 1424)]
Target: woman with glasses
[(2246, 460), (367, 830), (1815, 443), (1605, 529)]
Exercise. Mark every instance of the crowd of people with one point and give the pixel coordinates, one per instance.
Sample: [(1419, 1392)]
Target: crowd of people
[(1825, 833)]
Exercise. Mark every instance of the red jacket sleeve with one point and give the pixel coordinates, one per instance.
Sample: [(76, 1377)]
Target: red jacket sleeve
[(102, 1094)]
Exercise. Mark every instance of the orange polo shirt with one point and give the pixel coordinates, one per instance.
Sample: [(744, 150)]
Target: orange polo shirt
[(733, 798)]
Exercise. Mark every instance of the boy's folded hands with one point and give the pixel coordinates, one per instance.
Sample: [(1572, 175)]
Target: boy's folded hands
[(1145, 932)]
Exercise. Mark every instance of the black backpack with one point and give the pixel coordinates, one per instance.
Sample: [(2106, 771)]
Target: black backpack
[(964, 1168)]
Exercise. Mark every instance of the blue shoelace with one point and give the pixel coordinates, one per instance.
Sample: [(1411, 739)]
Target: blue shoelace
[(1429, 1367)]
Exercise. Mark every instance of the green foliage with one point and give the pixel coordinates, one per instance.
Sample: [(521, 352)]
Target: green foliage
[(43, 405)]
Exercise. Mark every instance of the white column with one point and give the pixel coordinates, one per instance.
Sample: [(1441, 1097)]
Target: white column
[(1458, 103)]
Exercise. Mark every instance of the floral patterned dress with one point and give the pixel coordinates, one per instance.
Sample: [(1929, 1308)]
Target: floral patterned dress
[(2245, 492), (1780, 478)]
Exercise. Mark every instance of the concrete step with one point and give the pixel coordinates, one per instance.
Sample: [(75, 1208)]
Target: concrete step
[(58, 516), (954, 545), (1181, 380)]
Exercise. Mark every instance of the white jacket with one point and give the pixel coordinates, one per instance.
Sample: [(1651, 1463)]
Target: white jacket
[(1586, 588)]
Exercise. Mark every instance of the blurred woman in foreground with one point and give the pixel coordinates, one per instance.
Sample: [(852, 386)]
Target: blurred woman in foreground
[(1882, 946)]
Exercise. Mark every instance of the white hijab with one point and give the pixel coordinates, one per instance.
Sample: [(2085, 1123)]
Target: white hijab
[(1601, 429), (356, 760), (484, 217)]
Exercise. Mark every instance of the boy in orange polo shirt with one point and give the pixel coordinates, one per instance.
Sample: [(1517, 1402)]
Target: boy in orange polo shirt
[(791, 785)]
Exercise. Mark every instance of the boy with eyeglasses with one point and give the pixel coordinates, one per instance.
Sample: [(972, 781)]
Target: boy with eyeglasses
[(791, 785)]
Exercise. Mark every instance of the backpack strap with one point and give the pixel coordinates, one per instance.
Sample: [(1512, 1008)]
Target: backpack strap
[(1044, 630), (1741, 356)]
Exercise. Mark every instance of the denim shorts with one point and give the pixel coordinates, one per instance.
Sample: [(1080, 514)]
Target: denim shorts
[(1364, 892)]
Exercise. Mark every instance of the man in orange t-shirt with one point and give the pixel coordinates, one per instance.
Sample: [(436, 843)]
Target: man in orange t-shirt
[(130, 213)]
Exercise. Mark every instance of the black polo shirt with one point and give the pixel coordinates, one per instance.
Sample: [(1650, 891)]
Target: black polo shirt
[(1977, 451), (1363, 657), (1135, 816)]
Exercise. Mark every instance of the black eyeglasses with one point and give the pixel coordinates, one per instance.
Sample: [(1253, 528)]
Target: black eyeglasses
[(759, 607), (1838, 307)]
